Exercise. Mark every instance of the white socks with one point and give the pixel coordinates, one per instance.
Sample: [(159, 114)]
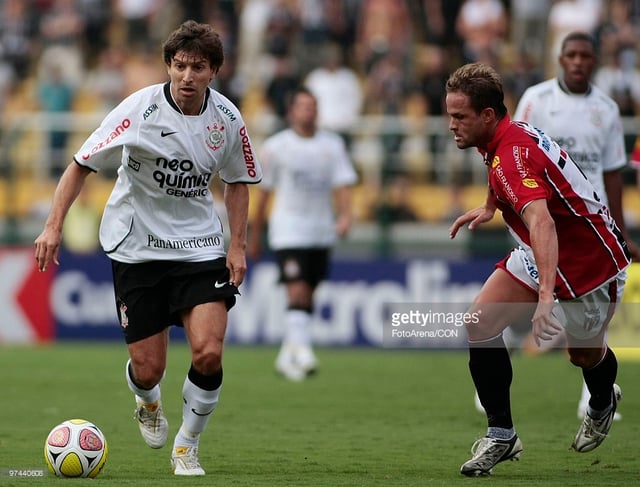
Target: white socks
[(146, 396), (298, 327), (198, 406)]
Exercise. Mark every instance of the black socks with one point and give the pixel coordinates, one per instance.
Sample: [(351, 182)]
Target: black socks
[(490, 367), (600, 379)]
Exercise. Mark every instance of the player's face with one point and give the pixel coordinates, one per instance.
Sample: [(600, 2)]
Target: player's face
[(190, 76), (303, 112), (468, 127), (578, 60)]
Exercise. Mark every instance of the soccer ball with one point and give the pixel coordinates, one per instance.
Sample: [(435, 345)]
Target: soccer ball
[(75, 448)]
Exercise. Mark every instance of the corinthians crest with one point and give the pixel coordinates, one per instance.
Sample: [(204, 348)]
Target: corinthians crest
[(215, 139)]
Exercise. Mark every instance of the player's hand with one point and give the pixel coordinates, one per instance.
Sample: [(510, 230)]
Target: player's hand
[(474, 217), (545, 323), (343, 225), (47, 247), (237, 265)]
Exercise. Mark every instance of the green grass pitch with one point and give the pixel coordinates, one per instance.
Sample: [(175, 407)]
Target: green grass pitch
[(370, 417)]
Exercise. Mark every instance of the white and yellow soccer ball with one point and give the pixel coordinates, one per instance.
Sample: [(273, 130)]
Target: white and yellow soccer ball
[(75, 448)]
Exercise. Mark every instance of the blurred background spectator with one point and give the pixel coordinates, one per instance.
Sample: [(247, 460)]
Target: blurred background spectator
[(55, 96), (18, 35), (483, 26), (338, 91), (61, 30), (566, 16)]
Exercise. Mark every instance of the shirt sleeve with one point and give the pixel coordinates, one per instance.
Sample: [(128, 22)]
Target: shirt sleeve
[(242, 164), (103, 148), (345, 174), (517, 182), (614, 154)]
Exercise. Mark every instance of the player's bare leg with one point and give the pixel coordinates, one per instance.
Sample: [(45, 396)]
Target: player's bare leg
[(144, 371), (205, 326)]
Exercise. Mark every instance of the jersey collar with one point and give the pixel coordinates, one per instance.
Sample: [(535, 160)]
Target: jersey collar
[(169, 98), (563, 86)]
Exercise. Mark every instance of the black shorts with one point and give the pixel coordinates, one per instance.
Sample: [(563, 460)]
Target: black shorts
[(310, 265), (150, 296)]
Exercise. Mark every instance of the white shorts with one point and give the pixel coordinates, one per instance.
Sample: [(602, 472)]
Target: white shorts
[(583, 317)]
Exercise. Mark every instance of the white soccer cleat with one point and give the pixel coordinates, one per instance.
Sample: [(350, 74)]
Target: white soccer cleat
[(593, 432), (582, 410), (287, 367), (296, 363), (306, 360), (488, 452), (153, 424), (184, 461)]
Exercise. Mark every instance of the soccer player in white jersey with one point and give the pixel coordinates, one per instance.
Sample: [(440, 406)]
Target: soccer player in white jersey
[(586, 123), (548, 205), (310, 173), (162, 233)]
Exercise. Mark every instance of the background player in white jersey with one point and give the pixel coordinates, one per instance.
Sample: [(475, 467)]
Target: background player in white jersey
[(310, 173), (548, 205), (161, 230), (586, 123)]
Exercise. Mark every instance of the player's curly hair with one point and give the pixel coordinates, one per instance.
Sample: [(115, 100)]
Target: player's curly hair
[(482, 84), (197, 40)]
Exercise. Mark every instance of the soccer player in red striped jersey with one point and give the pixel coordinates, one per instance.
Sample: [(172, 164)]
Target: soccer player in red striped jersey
[(568, 270), (586, 123)]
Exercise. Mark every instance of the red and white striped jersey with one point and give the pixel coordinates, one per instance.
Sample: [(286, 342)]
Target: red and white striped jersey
[(524, 165)]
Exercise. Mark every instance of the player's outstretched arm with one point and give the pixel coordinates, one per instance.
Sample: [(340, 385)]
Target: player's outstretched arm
[(474, 217), (47, 244), (544, 243)]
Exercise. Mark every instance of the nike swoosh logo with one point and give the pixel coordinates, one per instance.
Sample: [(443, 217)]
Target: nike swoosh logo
[(218, 285), (200, 414), (164, 134)]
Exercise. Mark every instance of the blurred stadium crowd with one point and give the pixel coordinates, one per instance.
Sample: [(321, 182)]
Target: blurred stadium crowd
[(377, 66)]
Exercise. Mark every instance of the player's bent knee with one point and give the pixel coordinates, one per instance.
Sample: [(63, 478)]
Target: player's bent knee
[(584, 358), (207, 362), (147, 376)]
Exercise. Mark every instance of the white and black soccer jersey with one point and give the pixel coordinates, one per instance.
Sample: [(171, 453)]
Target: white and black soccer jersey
[(161, 207), (587, 126), (304, 171)]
